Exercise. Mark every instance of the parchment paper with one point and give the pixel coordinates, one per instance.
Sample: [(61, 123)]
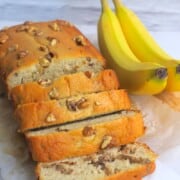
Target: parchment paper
[(15, 161), (162, 135)]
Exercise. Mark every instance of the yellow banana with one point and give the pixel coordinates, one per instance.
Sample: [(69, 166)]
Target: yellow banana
[(136, 76), (144, 46), (173, 82)]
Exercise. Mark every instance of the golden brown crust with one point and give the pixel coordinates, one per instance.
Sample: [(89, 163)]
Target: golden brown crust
[(20, 46), (65, 86), (135, 174), (35, 115), (66, 144)]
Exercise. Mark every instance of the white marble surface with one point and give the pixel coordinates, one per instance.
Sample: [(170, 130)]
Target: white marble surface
[(161, 17)]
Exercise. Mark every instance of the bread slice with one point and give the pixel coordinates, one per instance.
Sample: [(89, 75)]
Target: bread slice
[(47, 113), (126, 162), (65, 86), (43, 51), (85, 137)]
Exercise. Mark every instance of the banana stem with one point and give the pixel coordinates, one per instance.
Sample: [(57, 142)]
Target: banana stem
[(117, 3), (104, 4)]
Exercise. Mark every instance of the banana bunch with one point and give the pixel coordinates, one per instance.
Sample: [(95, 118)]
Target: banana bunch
[(148, 76), (144, 46)]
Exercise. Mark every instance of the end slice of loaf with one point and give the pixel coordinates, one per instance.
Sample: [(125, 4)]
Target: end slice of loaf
[(65, 86), (37, 51), (47, 113), (85, 137), (126, 162)]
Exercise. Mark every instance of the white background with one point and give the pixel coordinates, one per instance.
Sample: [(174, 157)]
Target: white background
[(161, 17), (158, 15)]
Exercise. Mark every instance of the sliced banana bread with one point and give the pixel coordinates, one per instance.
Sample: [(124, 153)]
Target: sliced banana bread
[(85, 137), (126, 162), (43, 51), (46, 113), (65, 86)]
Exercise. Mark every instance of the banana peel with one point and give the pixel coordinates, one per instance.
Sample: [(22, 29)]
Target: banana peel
[(135, 76), (142, 82), (144, 46), (173, 82)]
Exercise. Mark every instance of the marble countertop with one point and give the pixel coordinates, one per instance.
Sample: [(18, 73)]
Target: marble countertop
[(161, 15)]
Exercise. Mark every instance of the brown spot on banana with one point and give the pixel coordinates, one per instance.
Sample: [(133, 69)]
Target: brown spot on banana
[(161, 73)]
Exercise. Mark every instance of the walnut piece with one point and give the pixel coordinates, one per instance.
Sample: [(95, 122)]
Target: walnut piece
[(106, 142), (44, 62), (88, 131), (31, 29), (49, 56), (43, 48), (74, 105), (97, 103), (50, 118), (88, 74), (44, 82), (54, 94), (52, 41), (38, 33), (22, 28), (3, 38), (80, 41), (54, 26)]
